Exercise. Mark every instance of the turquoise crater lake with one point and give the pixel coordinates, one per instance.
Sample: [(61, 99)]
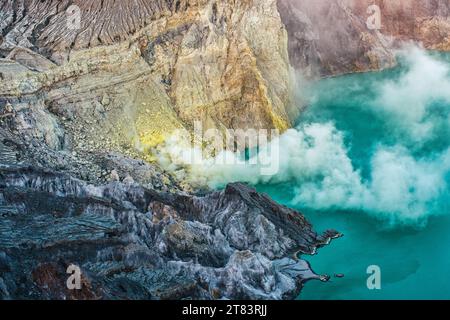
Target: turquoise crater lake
[(371, 158)]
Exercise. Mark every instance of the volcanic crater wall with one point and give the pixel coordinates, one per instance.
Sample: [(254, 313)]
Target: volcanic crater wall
[(138, 70), (132, 72), (331, 37), (79, 108)]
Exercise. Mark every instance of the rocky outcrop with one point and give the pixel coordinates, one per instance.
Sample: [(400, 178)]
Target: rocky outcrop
[(424, 21), (137, 243), (331, 37), (134, 71)]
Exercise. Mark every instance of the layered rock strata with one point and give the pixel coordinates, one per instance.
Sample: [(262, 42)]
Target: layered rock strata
[(132, 242), (132, 72), (332, 37)]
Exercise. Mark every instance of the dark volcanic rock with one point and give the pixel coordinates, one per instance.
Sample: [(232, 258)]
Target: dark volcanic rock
[(133, 242)]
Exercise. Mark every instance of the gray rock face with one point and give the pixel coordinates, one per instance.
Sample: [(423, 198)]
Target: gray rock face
[(331, 37), (133, 242), (42, 25)]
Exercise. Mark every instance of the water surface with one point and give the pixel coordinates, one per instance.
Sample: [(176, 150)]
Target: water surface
[(394, 127)]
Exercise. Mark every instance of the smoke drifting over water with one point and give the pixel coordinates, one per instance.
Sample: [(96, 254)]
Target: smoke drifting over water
[(412, 103), (408, 163)]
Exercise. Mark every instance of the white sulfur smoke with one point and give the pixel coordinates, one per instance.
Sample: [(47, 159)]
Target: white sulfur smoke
[(401, 188), (314, 159), (407, 186), (407, 103)]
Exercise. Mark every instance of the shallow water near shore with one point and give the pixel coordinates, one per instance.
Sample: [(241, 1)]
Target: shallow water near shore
[(413, 261), (394, 210)]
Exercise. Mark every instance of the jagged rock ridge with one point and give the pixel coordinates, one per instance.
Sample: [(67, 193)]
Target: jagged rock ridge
[(136, 243)]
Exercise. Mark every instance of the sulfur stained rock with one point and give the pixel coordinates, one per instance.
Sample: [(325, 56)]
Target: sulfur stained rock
[(79, 103), (157, 65)]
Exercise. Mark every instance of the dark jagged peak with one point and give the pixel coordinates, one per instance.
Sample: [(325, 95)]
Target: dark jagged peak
[(134, 242)]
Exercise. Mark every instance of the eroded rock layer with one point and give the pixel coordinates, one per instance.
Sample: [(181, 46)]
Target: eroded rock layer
[(136, 243), (135, 71), (330, 37)]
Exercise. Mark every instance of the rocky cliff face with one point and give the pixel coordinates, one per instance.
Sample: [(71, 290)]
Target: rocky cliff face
[(135, 71), (136, 243), (131, 72), (330, 37)]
